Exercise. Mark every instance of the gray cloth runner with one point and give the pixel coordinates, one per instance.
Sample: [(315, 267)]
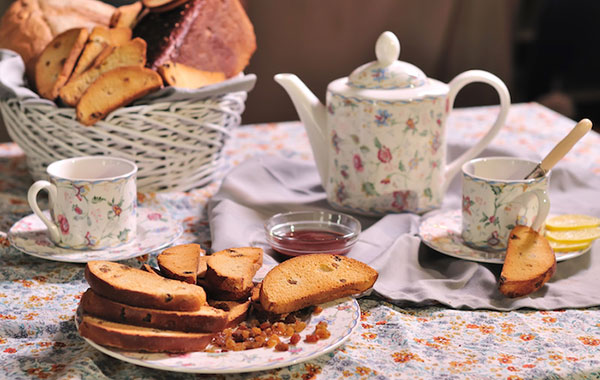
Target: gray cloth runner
[(409, 272), (13, 84)]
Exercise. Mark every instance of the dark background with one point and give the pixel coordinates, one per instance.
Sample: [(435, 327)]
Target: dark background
[(545, 50)]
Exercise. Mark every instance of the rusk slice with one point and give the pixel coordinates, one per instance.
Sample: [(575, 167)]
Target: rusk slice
[(529, 263), (131, 53), (184, 76), (137, 287), (202, 260), (126, 16), (229, 277), (313, 279), (181, 262), (98, 41), (205, 319), (135, 338), (55, 64), (236, 311), (115, 89), (252, 254)]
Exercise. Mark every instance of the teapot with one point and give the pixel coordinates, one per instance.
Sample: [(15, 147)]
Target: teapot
[(380, 143)]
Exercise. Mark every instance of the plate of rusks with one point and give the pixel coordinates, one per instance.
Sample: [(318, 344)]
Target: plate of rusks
[(218, 313)]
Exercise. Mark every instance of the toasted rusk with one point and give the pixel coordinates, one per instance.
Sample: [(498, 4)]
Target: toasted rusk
[(180, 75), (114, 89), (55, 63), (529, 263), (98, 41), (131, 53), (126, 15)]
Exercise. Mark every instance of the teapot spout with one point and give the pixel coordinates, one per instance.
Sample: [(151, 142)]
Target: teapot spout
[(313, 115)]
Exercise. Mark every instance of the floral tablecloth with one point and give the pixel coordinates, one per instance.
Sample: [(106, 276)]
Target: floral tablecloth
[(38, 298)]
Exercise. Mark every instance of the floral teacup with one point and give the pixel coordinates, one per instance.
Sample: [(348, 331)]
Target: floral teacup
[(92, 202), (496, 198)]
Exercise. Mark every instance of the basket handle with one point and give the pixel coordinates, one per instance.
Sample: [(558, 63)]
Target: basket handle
[(32, 199)]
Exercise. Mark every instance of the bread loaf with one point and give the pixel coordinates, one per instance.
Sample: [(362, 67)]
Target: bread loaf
[(209, 35), (529, 263), (135, 338), (205, 319), (114, 89), (137, 287), (181, 262), (313, 279)]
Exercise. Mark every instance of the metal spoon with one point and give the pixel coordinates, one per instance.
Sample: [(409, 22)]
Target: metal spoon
[(561, 149)]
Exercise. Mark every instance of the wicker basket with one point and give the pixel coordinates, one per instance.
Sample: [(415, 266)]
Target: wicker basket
[(176, 145)]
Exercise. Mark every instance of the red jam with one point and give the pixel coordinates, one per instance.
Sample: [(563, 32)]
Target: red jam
[(294, 243)]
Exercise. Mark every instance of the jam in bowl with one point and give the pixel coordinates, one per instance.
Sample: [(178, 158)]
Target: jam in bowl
[(303, 232)]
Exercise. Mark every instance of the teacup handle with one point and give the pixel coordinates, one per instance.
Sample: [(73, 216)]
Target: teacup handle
[(32, 199), (456, 85), (543, 206)]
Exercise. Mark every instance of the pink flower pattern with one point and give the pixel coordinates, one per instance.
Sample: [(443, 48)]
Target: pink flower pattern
[(64, 224), (384, 155)]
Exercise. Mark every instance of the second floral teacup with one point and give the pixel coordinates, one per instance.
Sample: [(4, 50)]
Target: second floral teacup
[(496, 198), (92, 202)]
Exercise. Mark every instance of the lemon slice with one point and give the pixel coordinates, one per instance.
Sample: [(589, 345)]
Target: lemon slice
[(571, 222), (585, 235), (566, 247)]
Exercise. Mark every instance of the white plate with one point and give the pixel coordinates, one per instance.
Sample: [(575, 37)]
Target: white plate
[(155, 231), (342, 317), (442, 232)]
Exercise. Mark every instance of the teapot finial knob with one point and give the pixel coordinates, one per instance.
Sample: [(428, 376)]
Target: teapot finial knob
[(387, 48)]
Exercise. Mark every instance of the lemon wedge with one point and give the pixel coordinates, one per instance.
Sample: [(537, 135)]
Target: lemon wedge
[(567, 247), (584, 235), (571, 222)]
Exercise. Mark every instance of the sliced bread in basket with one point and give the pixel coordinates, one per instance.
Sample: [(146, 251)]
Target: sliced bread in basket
[(114, 89), (131, 53), (140, 288), (56, 62), (529, 263), (313, 279), (99, 39), (136, 338)]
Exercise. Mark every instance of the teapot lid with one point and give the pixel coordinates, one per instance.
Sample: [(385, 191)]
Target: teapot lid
[(387, 72)]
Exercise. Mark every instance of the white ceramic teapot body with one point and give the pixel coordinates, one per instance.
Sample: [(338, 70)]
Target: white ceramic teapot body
[(380, 143)]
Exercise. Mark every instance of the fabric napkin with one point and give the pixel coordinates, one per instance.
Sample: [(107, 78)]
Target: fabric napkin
[(13, 84), (409, 272)]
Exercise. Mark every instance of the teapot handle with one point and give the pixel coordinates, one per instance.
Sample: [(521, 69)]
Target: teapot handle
[(456, 85)]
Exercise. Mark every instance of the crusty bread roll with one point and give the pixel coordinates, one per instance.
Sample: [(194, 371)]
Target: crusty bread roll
[(29, 25)]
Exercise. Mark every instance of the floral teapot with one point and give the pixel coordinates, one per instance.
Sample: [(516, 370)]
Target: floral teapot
[(380, 143)]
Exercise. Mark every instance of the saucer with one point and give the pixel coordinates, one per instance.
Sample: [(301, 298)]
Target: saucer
[(442, 232), (155, 230)]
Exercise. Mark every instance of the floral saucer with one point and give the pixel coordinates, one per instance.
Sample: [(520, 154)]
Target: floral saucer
[(442, 232), (155, 231)]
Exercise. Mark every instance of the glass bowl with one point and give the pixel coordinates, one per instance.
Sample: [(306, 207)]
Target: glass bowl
[(304, 232)]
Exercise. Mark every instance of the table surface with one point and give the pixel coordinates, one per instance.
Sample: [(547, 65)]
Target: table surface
[(38, 298)]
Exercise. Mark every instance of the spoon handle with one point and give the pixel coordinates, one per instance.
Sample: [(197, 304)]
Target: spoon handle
[(565, 145)]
